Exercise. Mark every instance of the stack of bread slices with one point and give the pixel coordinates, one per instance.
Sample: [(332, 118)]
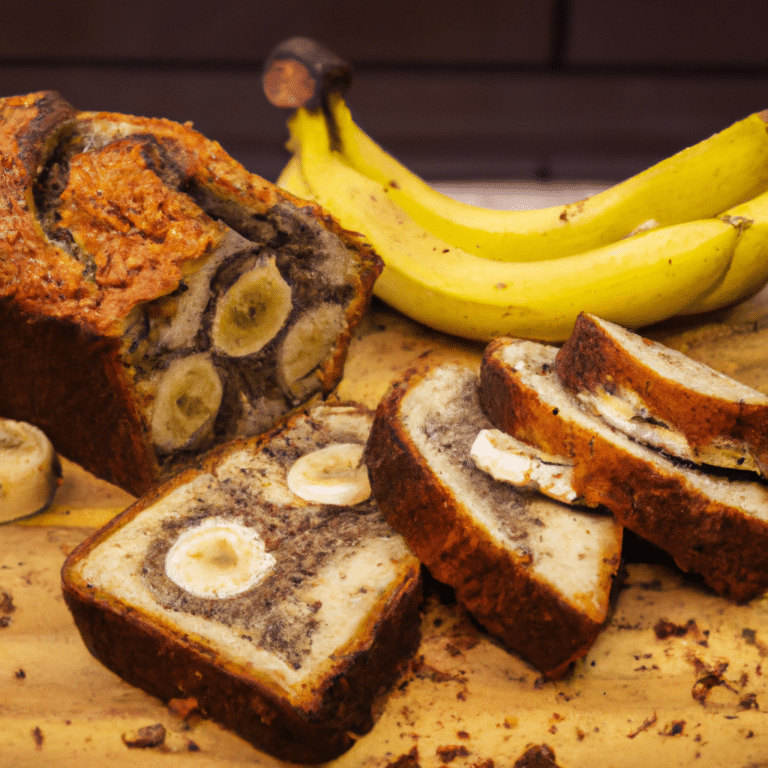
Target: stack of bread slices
[(618, 432), (675, 450)]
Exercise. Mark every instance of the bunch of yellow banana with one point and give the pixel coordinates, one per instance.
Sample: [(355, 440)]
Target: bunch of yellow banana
[(687, 235)]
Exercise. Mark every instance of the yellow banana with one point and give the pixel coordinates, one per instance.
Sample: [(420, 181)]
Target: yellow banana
[(748, 272), (636, 281), (290, 179), (696, 183)]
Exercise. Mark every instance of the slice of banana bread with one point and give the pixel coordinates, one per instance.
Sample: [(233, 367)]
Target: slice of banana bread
[(663, 398), (282, 617), (534, 572), (156, 299), (711, 524)]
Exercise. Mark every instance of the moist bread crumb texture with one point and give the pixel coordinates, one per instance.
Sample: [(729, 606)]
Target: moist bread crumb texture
[(162, 299), (305, 646), (534, 572)]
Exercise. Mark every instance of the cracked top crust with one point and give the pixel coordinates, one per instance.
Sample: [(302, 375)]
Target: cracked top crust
[(42, 142)]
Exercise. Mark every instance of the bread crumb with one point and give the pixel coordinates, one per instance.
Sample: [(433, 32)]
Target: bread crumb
[(145, 738)]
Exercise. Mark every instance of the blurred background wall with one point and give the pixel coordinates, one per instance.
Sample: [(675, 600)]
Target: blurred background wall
[(532, 89)]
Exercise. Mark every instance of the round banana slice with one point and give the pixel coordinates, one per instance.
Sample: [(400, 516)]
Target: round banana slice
[(218, 558), (251, 312), (30, 471), (307, 344), (335, 474), (187, 401)]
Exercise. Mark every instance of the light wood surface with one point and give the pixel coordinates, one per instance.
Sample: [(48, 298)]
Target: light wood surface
[(679, 677)]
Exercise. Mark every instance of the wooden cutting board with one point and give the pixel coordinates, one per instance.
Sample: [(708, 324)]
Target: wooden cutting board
[(679, 676)]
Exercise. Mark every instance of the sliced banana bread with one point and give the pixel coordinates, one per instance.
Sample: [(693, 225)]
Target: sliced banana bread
[(663, 398), (536, 573), (711, 524), (282, 613)]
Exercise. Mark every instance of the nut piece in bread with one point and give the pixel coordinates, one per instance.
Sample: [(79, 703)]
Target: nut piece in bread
[(156, 299), (534, 572), (663, 398), (283, 618), (709, 523)]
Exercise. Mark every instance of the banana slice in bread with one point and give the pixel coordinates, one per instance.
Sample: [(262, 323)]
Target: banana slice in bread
[(536, 573), (715, 525), (283, 618), (162, 299), (663, 398)]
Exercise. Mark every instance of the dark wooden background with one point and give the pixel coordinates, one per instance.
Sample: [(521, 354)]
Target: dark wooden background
[(563, 89)]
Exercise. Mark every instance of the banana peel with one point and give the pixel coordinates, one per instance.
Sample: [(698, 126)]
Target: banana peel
[(636, 281), (748, 271), (698, 182)]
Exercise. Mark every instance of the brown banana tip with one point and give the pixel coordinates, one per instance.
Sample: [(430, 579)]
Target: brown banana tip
[(300, 72)]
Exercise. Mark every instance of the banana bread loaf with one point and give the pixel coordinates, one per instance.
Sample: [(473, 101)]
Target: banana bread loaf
[(157, 299)]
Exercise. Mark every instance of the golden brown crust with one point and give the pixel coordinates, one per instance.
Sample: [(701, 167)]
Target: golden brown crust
[(591, 360), (36, 274), (140, 653), (728, 548), (151, 655), (138, 230), (490, 581)]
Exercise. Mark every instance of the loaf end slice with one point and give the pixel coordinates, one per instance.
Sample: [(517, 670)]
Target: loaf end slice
[(711, 524), (535, 573), (663, 398), (283, 618)]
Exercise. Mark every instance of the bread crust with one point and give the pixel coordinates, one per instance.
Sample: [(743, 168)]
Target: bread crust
[(727, 547), (143, 656), (316, 726), (593, 360), (58, 318), (491, 582)]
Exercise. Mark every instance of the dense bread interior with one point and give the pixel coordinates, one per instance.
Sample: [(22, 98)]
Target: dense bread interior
[(326, 569), (564, 547)]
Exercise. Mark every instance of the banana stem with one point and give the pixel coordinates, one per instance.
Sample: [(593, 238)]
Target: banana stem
[(300, 72)]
